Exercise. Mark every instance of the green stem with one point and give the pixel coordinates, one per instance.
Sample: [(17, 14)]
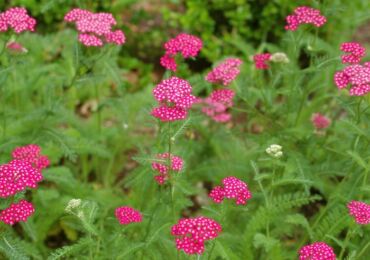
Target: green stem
[(171, 178), (98, 108), (348, 236)]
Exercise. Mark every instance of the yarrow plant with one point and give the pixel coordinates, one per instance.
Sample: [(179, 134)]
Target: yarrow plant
[(317, 251), (360, 211), (304, 15), (260, 61), (185, 44), (176, 165), (232, 188), (217, 104), (275, 150), (320, 121), (354, 52), (127, 215), (192, 233), (95, 29), (17, 212), (17, 18), (225, 72), (357, 76)]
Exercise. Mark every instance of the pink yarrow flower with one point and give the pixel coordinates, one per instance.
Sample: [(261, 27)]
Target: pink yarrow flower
[(127, 215), (317, 251), (31, 153), (360, 211), (355, 52), (174, 98), (176, 165), (95, 29), (185, 44), (225, 72), (304, 15), (357, 76), (17, 212), (260, 61), (16, 47), (17, 19), (191, 233), (320, 121), (233, 188), (217, 104)]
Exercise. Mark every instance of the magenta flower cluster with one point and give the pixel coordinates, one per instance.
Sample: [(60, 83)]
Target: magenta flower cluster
[(163, 169), (225, 72), (174, 98), (95, 29), (304, 15), (317, 251), (22, 172), (357, 76), (217, 104), (360, 211), (191, 233), (185, 44), (17, 19), (260, 61), (127, 215), (320, 121), (354, 52), (233, 188)]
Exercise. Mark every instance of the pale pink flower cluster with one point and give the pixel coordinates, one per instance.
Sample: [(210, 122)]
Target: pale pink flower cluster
[(304, 15), (127, 215), (360, 211), (163, 168), (174, 98), (16, 47), (317, 251), (358, 76), (22, 172), (233, 188), (355, 52), (260, 61), (186, 44), (320, 121), (225, 72), (95, 28), (17, 19), (192, 233), (17, 212), (217, 104)]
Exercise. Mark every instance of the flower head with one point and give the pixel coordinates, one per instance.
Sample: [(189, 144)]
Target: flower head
[(304, 15), (260, 61), (217, 104), (163, 168), (72, 204), (275, 150), (95, 28), (191, 233), (357, 75), (233, 188), (360, 211), (127, 215), (225, 72), (320, 121), (355, 52), (16, 47), (317, 251), (31, 153), (16, 176), (18, 19), (279, 57), (17, 212)]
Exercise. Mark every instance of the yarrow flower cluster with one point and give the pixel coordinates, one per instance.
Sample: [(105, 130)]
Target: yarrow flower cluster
[(23, 172), (16, 47), (186, 44), (217, 104), (127, 215), (355, 52), (225, 72), (191, 233), (279, 57), (304, 15), (174, 98), (95, 28), (17, 212), (72, 204), (17, 19), (163, 168), (357, 76), (360, 211), (275, 150), (260, 61), (233, 188), (320, 121), (317, 251)]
